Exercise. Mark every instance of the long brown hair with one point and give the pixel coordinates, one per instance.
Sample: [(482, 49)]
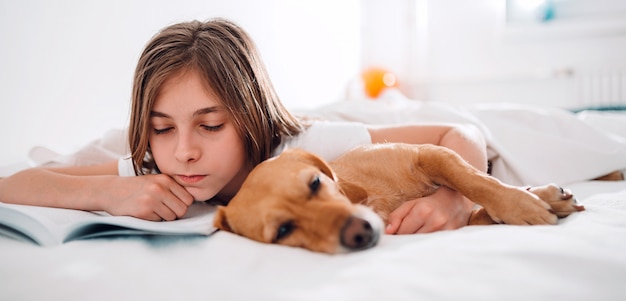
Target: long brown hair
[(228, 60)]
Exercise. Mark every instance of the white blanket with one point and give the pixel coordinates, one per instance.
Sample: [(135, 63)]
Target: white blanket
[(529, 145)]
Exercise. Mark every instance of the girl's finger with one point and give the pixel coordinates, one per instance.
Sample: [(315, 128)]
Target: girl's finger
[(435, 222), (181, 193), (410, 225), (165, 213), (396, 217)]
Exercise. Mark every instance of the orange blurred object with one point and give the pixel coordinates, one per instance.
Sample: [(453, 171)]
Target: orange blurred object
[(376, 80)]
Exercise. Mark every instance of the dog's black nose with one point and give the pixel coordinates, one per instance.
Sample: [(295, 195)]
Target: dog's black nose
[(357, 234)]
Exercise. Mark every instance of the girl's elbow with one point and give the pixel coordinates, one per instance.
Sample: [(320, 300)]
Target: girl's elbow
[(468, 133)]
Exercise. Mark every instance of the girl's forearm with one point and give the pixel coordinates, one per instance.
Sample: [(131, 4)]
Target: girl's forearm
[(466, 140), (42, 187)]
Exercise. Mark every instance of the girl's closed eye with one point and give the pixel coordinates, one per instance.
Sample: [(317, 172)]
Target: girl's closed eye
[(212, 128), (164, 130)]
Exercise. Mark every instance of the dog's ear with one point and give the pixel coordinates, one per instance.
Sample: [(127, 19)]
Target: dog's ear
[(317, 162), (220, 221), (354, 192)]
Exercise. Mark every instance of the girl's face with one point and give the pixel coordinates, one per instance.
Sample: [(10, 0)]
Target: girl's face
[(194, 140)]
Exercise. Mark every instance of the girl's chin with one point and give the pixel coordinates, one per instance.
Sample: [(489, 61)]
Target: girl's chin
[(200, 195)]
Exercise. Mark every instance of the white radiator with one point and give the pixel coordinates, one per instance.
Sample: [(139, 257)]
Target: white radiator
[(599, 88), (567, 88)]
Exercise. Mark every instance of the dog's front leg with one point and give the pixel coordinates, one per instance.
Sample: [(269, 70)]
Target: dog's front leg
[(503, 203)]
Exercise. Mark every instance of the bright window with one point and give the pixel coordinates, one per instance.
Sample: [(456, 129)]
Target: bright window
[(543, 11)]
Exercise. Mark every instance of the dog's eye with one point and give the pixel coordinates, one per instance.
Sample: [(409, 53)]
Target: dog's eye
[(315, 184), (284, 230)]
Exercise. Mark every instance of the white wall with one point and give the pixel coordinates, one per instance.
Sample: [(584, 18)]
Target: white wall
[(66, 66), (464, 52), (478, 57)]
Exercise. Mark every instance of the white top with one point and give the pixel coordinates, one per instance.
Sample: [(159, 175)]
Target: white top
[(327, 139)]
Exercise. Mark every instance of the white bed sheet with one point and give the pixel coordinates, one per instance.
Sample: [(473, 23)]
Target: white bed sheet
[(582, 258)]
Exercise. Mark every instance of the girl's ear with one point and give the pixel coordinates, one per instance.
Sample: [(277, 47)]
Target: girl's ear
[(220, 221), (312, 159)]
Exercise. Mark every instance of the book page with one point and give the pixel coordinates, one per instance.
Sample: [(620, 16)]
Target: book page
[(51, 226), (197, 221), (44, 225)]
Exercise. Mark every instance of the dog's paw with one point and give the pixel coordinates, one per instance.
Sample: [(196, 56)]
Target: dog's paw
[(516, 206), (562, 202)]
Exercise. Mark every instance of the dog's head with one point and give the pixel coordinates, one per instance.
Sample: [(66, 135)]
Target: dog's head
[(295, 200)]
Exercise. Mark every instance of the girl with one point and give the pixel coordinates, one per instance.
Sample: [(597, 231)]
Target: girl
[(204, 113)]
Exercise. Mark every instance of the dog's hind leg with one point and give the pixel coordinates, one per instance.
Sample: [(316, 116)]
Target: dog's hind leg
[(617, 175)]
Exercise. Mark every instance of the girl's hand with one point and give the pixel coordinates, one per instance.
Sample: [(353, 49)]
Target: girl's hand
[(446, 209), (149, 197)]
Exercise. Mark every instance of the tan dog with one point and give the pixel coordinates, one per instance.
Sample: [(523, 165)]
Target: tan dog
[(297, 199)]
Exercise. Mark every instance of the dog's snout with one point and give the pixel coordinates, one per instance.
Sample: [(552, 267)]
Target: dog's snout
[(358, 234)]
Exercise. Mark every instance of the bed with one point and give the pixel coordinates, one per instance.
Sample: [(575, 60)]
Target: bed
[(583, 258)]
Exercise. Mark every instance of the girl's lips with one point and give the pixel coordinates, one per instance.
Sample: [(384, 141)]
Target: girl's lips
[(190, 179)]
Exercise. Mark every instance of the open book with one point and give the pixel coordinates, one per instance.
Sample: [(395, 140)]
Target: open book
[(52, 226)]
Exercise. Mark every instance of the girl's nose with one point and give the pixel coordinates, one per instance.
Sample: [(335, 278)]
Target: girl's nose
[(186, 149)]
